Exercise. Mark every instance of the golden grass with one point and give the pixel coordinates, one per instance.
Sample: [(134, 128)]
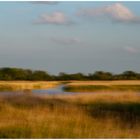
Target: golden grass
[(118, 82), (95, 86), (70, 116), (105, 96), (106, 114), (27, 85)]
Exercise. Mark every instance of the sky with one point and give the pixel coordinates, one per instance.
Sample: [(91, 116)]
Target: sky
[(71, 36)]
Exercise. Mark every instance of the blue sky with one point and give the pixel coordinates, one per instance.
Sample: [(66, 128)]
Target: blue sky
[(70, 36)]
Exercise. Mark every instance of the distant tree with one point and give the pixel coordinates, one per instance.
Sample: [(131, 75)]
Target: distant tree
[(63, 76), (22, 74), (27, 74), (129, 75), (101, 75), (40, 75), (5, 74), (14, 74), (78, 76)]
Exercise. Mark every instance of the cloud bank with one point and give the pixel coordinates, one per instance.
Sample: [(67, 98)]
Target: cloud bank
[(45, 2), (115, 12), (132, 50), (57, 18)]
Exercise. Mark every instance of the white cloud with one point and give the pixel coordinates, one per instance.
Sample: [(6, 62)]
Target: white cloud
[(131, 49), (58, 18), (65, 41), (115, 12), (45, 2)]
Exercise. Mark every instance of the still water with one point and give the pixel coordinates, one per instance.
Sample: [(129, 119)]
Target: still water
[(57, 90)]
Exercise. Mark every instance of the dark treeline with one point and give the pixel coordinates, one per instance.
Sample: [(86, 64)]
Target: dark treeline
[(38, 75)]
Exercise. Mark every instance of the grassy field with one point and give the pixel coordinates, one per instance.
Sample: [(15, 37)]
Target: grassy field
[(104, 115), (91, 86), (25, 85), (117, 82)]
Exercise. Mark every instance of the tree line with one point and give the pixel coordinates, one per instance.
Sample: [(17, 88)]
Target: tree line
[(9, 74)]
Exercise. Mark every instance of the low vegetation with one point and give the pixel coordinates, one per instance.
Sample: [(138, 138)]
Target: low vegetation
[(24, 85), (95, 86), (92, 88), (103, 115)]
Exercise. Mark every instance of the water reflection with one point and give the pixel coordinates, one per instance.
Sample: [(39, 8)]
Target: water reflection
[(56, 90)]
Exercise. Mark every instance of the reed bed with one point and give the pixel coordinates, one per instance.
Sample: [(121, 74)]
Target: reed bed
[(26, 85), (103, 115), (90, 86), (115, 82)]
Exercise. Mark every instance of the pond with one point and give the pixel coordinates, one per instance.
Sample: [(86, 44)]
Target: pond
[(57, 90)]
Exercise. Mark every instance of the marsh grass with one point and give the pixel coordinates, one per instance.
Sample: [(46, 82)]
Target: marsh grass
[(92, 88), (105, 115), (15, 132), (6, 88), (26, 85)]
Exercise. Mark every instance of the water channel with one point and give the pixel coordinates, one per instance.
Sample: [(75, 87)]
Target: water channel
[(51, 91)]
